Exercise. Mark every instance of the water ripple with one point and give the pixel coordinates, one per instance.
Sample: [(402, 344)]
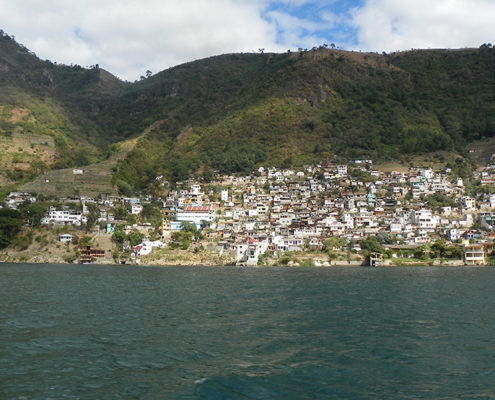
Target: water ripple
[(70, 332)]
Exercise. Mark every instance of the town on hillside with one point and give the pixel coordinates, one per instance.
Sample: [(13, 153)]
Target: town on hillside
[(326, 214)]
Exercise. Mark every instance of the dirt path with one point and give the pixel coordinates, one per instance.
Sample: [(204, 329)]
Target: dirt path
[(103, 241)]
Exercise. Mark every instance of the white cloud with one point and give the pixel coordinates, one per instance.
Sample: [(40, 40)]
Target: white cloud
[(129, 36), (389, 25), (297, 32)]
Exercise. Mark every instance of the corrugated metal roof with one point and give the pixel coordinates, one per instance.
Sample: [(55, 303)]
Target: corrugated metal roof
[(196, 209)]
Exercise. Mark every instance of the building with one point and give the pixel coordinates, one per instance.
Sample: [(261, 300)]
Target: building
[(66, 217), (468, 203), (342, 169), (224, 195), (195, 214), (248, 253), (15, 199), (425, 219), (474, 254), (146, 247), (66, 237), (87, 254), (136, 208)]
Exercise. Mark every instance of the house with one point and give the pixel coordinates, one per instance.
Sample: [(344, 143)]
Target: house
[(146, 247), (424, 219), (87, 254), (195, 214), (136, 208), (286, 243), (468, 203), (454, 234), (66, 217), (66, 237), (224, 195), (474, 254), (248, 253), (376, 259), (15, 199)]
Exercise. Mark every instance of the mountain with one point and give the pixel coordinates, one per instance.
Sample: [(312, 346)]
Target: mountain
[(47, 113), (233, 112)]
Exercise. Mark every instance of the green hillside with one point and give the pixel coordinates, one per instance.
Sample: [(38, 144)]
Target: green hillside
[(233, 112), (47, 113)]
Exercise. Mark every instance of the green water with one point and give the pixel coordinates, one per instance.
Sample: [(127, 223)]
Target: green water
[(92, 332)]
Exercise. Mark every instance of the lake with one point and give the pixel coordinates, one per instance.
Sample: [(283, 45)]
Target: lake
[(123, 332)]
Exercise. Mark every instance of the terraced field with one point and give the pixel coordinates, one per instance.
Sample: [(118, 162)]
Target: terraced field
[(95, 179), (24, 152)]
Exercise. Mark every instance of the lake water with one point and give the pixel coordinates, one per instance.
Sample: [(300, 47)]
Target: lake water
[(120, 332)]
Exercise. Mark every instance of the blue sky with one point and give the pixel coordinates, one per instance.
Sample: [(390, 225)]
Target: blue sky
[(331, 20), (128, 37)]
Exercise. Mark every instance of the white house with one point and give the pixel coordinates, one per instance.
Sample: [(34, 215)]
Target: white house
[(248, 253), (136, 208), (146, 247), (427, 173), (454, 234), (396, 227), (224, 195), (425, 219), (285, 243), (195, 213), (468, 203), (66, 237), (54, 216)]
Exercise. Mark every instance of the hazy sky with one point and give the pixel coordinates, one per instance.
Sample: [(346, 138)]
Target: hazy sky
[(127, 37)]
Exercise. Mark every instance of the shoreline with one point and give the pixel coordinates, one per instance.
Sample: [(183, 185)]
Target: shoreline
[(197, 265)]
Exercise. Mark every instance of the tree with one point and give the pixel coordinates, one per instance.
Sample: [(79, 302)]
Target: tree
[(152, 213), (208, 175), (440, 250), (120, 213), (385, 237), (372, 245), (33, 212), (93, 215), (181, 239), (189, 227), (10, 224), (135, 237), (124, 188), (119, 235), (334, 242), (148, 73)]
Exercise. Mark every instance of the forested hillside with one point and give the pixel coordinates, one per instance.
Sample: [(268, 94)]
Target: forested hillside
[(233, 112), (48, 113)]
